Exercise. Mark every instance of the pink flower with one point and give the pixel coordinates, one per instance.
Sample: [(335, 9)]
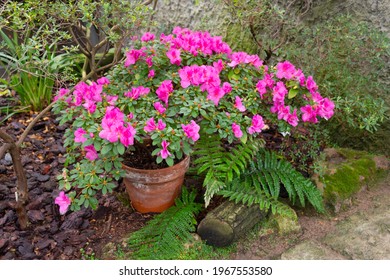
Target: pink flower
[(132, 56), (325, 108), (150, 125), (126, 135), (279, 92), (164, 153), (164, 90), (103, 81), (191, 130), (226, 87), (159, 107), (292, 119), (136, 92), (237, 130), (111, 99), (237, 58), (79, 135), (283, 112), (90, 106), (61, 93), (261, 88), (114, 127), (238, 104), (147, 37), (151, 74), (185, 75), (63, 201), (149, 61), (311, 84), (215, 94), (285, 70), (218, 65), (254, 60), (174, 56), (309, 114), (91, 153), (257, 124)]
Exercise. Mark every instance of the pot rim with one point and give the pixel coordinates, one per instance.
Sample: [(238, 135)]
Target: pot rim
[(184, 162)]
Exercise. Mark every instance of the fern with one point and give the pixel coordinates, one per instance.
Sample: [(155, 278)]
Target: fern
[(164, 236), (261, 184), (221, 166)]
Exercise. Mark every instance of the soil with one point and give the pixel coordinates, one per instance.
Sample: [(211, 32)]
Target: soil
[(78, 235)]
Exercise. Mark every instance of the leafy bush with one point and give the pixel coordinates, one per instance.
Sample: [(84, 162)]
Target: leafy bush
[(350, 59)]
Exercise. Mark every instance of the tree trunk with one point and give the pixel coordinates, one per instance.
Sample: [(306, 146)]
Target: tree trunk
[(228, 222)]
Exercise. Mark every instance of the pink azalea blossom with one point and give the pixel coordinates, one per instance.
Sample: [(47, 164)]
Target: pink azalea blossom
[(292, 119), (226, 87), (63, 201), (132, 56), (325, 108), (150, 125), (159, 107), (103, 81), (238, 58), (279, 93), (309, 114), (215, 94), (191, 130), (311, 84), (79, 135), (61, 93), (174, 56), (254, 60), (114, 127), (90, 106), (126, 135), (111, 99), (148, 37), (238, 104), (164, 90), (218, 65), (261, 88), (149, 61), (237, 130), (91, 152), (164, 153), (285, 70), (136, 92), (257, 124), (151, 74)]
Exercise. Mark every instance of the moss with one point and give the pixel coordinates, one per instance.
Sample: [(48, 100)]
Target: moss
[(348, 177)]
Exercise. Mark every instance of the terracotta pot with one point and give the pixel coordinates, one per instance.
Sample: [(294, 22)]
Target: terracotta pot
[(155, 190)]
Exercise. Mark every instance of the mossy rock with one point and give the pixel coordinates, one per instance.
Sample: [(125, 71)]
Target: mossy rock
[(346, 172)]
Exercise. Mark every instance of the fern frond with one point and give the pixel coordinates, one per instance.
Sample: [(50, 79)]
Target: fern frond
[(262, 181), (165, 235)]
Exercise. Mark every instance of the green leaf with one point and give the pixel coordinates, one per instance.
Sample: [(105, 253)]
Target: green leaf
[(292, 93), (121, 149), (106, 149)]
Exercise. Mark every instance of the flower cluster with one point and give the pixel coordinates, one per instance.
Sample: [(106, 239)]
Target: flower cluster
[(170, 89)]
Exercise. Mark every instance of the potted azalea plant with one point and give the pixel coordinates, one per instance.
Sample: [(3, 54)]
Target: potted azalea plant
[(156, 103)]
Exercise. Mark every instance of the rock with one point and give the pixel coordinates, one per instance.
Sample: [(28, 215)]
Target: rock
[(286, 224), (44, 244), (8, 217), (72, 221), (38, 202), (7, 159), (310, 250), (35, 216), (3, 244), (40, 177)]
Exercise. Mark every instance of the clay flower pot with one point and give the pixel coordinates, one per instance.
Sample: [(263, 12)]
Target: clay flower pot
[(155, 190)]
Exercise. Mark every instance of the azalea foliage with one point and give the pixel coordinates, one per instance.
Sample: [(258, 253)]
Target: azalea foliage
[(168, 89)]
